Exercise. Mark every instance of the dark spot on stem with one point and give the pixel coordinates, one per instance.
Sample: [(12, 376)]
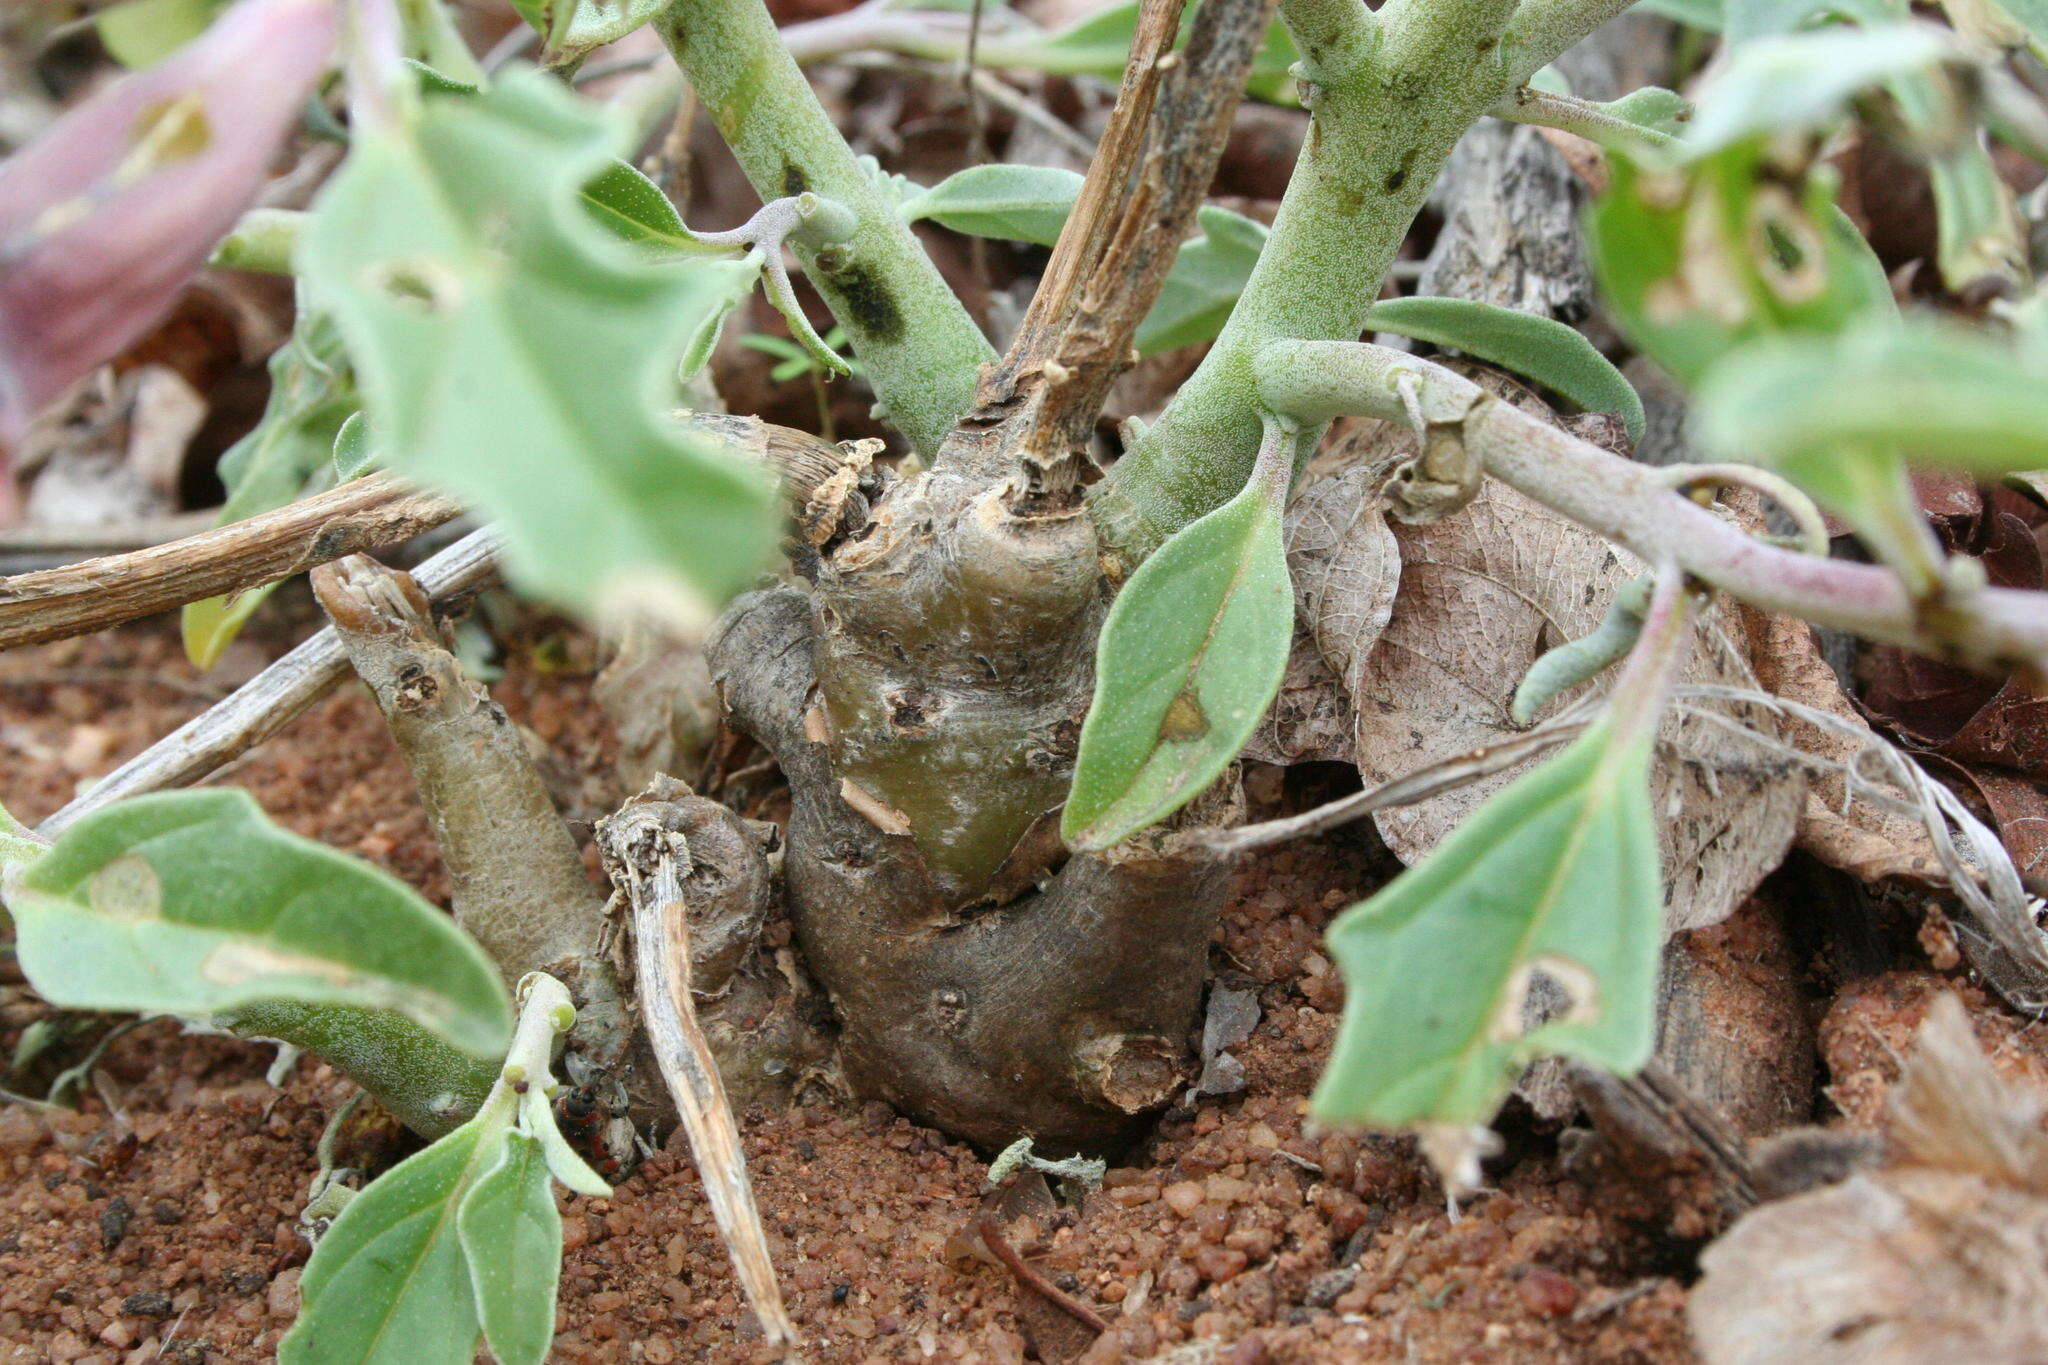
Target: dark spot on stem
[(869, 305), (1399, 175), (794, 181)]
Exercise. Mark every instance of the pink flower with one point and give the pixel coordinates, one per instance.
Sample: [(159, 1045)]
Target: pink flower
[(105, 217)]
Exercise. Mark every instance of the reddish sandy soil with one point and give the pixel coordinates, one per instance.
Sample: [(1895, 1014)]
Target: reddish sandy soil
[(157, 1222)]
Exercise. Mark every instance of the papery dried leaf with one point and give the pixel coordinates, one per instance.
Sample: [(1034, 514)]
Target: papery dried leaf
[(1942, 1255), (1951, 1111), (1345, 567), (1852, 835), (106, 215), (1880, 1270), (1483, 594)]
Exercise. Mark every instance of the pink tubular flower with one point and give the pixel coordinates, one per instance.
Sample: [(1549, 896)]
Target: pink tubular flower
[(105, 217)]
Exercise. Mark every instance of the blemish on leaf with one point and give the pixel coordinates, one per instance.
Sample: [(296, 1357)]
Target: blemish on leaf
[(418, 284), (1563, 990), (127, 889), (1185, 720), (236, 962)]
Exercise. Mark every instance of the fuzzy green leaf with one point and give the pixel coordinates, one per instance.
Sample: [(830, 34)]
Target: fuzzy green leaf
[(1208, 275), (1949, 398), (635, 210), (1538, 348), (1188, 660), (1099, 44), (1747, 20), (574, 27), (514, 352), (1797, 81), (18, 843), (512, 1239), (355, 449), (389, 1282), (1705, 15), (728, 285), (537, 1118), (1553, 879), (1653, 107), (192, 903), (1015, 203), (1699, 261), (1031, 204), (289, 454)]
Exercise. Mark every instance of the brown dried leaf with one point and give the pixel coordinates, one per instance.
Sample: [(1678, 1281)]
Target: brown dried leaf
[(1483, 594), (1856, 837), (1346, 568), (1940, 1256)]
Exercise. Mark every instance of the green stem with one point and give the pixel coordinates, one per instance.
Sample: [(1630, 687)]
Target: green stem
[(1390, 93), (916, 344), (1389, 99)]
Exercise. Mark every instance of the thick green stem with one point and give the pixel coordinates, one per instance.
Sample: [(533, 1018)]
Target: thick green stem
[(1391, 94), (916, 344)]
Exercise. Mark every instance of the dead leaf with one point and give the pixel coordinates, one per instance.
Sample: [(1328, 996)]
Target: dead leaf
[(1943, 1254), (1346, 568), (1971, 717), (1483, 594), (1854, 836)]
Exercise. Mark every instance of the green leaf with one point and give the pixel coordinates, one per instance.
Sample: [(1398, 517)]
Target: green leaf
[(312, 392), (1748, 20), (1798, 81), (1031, 204), (18, 843), (1653, 107), (1697, 261), (729, 284), (389, 1281), (433, 82), (192, 903), (1705, 15), (1190, 657), (1539, 348), (537, 1118), (1948, 397), (355, 449), (1208, 275), (1015, 203), (634, 209), (512, 1239), (139, 33), (431, 36), (1555, 879), (575, 27), (512, 351)]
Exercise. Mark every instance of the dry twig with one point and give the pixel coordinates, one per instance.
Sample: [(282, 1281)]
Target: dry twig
[(269, 701), (650, 862), (364, 514)]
